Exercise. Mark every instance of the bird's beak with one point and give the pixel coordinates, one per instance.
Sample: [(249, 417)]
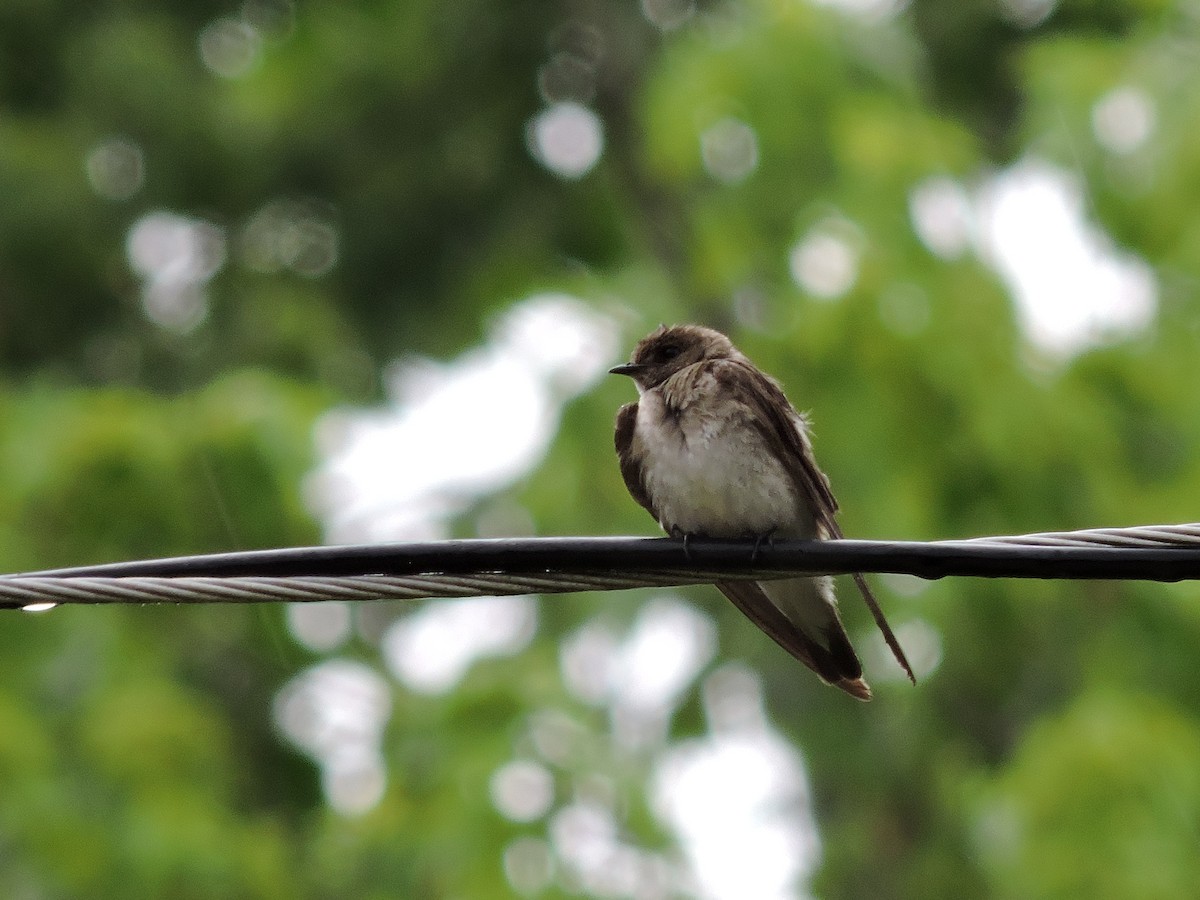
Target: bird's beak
[(630, 369)]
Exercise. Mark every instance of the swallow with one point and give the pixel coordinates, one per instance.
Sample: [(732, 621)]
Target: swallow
[(712, 447)]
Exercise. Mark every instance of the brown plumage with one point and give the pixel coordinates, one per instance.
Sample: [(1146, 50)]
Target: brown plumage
[(713, 447)]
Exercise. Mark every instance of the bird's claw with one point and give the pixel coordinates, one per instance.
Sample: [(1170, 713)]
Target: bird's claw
[(686, 536), (767, 537)]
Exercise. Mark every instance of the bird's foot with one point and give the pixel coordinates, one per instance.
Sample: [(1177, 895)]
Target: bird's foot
[(766, 537), (686, 536)]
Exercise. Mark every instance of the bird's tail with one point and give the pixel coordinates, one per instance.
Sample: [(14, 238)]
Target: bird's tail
[(799, 614)]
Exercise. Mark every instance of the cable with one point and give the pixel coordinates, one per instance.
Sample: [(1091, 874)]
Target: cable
[(463, 568)]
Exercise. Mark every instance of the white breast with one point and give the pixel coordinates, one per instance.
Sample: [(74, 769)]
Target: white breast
[(708, 472)]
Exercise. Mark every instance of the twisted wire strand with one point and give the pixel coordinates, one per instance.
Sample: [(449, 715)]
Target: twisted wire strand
[(1142, 536), (564, 565), (33, 590)]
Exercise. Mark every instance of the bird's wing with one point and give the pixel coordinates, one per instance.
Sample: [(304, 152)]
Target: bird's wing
[(838, 667), (631, 466), (786, 431)]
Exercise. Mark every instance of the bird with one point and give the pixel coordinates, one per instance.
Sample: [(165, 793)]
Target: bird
[(713, 448)]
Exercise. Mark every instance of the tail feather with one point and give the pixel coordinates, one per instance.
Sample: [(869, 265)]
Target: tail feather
[(856, 688), (881, 621)]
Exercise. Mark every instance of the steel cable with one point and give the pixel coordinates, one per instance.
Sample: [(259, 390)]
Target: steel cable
[(468, 568)]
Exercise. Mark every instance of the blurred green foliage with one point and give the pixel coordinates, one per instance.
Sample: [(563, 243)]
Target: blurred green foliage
[(363, 178)]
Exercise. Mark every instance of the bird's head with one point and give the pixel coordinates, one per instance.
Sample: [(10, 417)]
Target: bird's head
[(667, 350)]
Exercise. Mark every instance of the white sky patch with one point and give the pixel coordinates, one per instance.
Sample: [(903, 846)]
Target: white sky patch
[(867, 10), (641, 677), (587, 658), (584, 835), (336, 712), (456, 431), (522, 790), (738, 799), (585, 839), (230, 48), (566, 138), (320, 627), (940, 211), (922, 644), (1124, 119), (1072, 286), (825, 261), (430, 651), (175, 256), (670, 644)]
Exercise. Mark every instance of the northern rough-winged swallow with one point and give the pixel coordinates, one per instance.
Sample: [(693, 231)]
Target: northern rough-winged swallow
[(713, 448)]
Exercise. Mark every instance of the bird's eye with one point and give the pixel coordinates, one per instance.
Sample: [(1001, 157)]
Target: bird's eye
[(670, 351)]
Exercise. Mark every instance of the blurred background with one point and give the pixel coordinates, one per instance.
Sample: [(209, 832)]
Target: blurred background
[(275, 274)]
